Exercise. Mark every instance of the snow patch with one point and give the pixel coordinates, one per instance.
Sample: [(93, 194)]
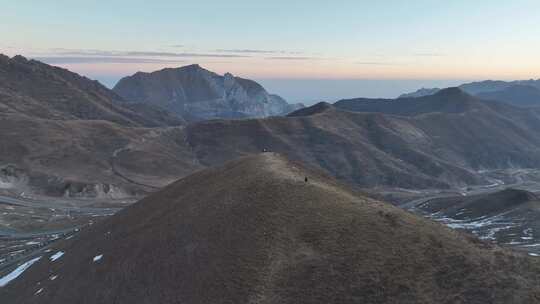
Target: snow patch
[(532, 245), (52, 278), (17, 272), (56, 256), (98, 257), (39, 291), (6, 185), (485, 227)]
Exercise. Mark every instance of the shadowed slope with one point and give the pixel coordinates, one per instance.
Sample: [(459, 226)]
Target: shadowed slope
[(518, 95), (451, 101), (253, 231), (436, 141), (35, 89), (314, 109), (76, 158)]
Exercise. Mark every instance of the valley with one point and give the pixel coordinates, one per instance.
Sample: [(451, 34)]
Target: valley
[(28, 225), (511, 226)]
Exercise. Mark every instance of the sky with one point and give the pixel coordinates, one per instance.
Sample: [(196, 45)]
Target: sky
[(303, 50)]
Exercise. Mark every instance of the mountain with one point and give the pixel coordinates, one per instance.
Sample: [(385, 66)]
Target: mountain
[(451, 101), (485, 86), (254, 231), (439, 141), (518, 95), (32, 88), (497, 85), (65, 135), (88, 158), (315, 109), (522, 93), (366, 150), (420, 93), (198, 94), (510, 217)]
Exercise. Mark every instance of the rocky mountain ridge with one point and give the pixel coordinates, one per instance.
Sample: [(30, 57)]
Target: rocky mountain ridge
[(521, 93), (195, 94)]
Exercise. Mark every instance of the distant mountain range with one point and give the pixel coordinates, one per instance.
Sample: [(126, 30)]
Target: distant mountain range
[(195, 94), (66, 135), (435, 141), (288, 225), (69, 136), (255, 231), (522, 93)]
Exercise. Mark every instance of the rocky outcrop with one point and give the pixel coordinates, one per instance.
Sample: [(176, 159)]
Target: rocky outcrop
[(194, 93)]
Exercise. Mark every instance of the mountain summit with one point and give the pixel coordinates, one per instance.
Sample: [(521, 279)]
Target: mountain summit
[(195, 93), (254, 231)]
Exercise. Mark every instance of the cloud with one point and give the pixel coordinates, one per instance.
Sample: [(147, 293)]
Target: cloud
[(290, 58), (107, 53), (247, 51), (429, 55), (253, 51), (177, 46), (375, 63), (84, 59), (166, 54)]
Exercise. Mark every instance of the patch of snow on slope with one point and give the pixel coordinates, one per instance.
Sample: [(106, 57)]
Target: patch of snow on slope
[(17, 272), (98, 257), (56, 256), (485, 227)]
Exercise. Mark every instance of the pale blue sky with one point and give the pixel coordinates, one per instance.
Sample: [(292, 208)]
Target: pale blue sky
[(416, 40)]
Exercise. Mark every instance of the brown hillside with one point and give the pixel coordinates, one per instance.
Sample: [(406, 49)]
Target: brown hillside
[(253, 231), (36, 89)]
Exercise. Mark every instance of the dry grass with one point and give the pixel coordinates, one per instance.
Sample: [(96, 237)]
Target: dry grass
[(253, 231)]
